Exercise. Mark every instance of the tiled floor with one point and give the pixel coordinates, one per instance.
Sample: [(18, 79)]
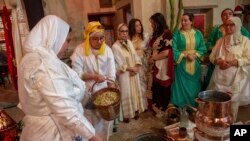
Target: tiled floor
[(125, 131)]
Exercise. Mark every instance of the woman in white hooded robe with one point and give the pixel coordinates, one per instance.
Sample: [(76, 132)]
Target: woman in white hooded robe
[(50, 92)]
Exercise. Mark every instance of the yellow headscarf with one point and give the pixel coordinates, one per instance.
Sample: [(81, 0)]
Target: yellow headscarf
[(91, 27)]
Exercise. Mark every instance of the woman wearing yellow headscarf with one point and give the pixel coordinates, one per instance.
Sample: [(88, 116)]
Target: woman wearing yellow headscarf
[(94, 62)]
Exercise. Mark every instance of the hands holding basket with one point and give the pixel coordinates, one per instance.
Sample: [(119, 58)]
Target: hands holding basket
[(99, 78)]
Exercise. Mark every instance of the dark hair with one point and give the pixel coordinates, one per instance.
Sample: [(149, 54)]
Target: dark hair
[(190, 16), (131, 27), (226, 10), (160, 24)]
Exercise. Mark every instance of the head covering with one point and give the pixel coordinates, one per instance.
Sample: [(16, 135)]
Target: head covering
[(118, 29), (122, 41), (236, 37), (238, 9), (47, 37), (90, 29)]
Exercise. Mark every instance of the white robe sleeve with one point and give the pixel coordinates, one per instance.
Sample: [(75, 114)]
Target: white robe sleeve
[(215, 51), (76, 58), (244, 60), (57, 91), (120, 62), (111, 65)]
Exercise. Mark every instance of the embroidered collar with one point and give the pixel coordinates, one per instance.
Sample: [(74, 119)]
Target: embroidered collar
[(124, 43)]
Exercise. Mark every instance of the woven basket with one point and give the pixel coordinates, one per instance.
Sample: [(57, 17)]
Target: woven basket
[(111, 111)]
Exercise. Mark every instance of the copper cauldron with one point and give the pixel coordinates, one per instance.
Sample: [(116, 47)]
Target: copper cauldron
[(214, 116)]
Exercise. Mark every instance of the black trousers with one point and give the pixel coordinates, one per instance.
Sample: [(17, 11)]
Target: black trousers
[(161, 95)]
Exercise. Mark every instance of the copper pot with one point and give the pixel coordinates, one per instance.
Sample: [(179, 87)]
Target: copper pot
[(214, 104), (214, 113), (201, 136)]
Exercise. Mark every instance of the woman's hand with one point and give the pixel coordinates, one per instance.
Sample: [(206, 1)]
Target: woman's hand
[(224, 65), (133, 70), (111, 85), (99, 78), (233, 63), (96, 138), (191, 57), (151, 60), (218, 61)]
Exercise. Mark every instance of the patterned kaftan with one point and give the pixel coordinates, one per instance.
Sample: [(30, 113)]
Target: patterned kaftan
[(132, 99), (162, 70)]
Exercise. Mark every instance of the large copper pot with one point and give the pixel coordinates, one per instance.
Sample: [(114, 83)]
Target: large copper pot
[(214, 113)]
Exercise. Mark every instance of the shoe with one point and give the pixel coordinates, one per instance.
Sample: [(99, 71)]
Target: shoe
[(136, 115), (126, 120), (114, 129)]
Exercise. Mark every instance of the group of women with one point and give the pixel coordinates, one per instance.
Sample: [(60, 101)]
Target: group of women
[(53, 96)]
